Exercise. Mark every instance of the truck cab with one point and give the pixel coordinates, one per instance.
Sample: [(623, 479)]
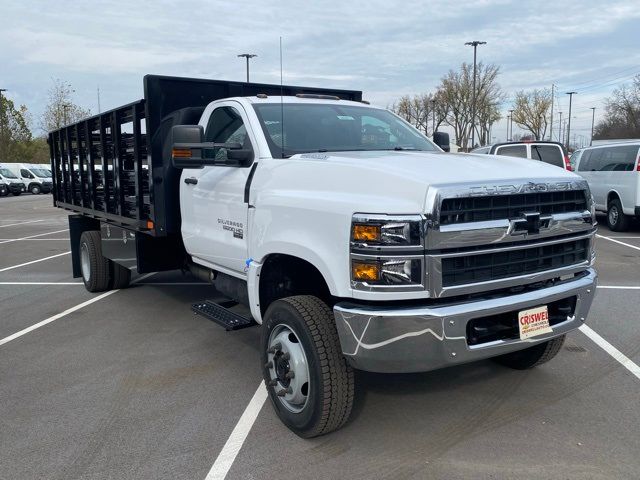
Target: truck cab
[(350, 238)]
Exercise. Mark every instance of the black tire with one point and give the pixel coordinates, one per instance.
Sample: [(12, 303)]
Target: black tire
[(96, 279), (331, 379), (120, 277), (35, 189), (532, 356), (616, 219)]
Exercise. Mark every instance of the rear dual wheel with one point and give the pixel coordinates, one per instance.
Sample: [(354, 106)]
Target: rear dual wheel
[(98, 272)]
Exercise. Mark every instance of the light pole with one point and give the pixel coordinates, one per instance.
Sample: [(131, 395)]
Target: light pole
[(508, 118), (247, 56), (510, 138), (571, 94), (2, 123), (433, 116), (560, 128), (474, 44), (593, 120)]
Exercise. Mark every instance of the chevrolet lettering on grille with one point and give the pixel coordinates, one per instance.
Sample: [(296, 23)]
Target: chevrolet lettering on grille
[(524, 188)]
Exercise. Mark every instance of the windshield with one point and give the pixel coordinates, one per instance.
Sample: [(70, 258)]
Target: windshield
[(40, 172), (335, 128), (6, 173)]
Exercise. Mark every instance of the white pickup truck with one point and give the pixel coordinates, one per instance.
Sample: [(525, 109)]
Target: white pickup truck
[(349, 237)]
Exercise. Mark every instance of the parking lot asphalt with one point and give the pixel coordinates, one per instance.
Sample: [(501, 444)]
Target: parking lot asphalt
[(133, 385)]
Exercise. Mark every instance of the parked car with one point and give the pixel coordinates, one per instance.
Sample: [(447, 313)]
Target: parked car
[(14, 184), (35, 179), (613, 173), (553, 153), (4, 189), (574, 159)]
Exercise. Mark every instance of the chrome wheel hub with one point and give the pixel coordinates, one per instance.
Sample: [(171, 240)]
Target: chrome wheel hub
[(288, 368), (613, 215)]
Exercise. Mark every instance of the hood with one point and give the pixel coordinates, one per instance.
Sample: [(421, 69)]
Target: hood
[(398, 182)]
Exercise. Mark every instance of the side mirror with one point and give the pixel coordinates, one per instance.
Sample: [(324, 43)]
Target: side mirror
[(189, 151), (441, 139)]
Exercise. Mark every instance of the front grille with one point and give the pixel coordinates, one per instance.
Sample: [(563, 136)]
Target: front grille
[(511, 263), (499, 207)]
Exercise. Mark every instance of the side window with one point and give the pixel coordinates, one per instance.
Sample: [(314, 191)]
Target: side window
[(25, 173), (513, 151), (585, 161), (226, 126), (622, 158), (551, 154)]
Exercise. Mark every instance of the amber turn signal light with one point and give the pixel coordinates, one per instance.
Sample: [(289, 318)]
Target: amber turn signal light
[(181, 153), (366, 233), (365, 272)]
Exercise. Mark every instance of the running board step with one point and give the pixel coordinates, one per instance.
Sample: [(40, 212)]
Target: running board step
[(220, 313)]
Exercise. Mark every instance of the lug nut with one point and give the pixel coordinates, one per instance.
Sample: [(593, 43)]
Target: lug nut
[(269, 364), (273, 383), (290, 375), (286, 356), (275, 348), (283, 392)]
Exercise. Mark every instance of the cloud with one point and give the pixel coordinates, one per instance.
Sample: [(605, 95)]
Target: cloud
[(385, 48)]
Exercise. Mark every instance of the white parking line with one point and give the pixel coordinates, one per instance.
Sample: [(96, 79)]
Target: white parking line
[(20, 223), (41, 283), (618, 287), (617, 241), (34, 239), (33, 261), (55, 317), (65, 313), (626, 238), (611, 350), (34, 236), (234, 443)]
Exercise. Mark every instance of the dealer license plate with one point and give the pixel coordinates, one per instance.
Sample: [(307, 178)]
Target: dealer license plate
[(533, 322)]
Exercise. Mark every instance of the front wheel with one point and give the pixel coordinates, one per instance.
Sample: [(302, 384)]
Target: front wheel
[(310, 383), (35, 189), (616, 219), (532, 356)]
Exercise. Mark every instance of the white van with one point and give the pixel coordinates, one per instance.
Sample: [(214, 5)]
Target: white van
[(12, 181), (613, 174), (35, 179)]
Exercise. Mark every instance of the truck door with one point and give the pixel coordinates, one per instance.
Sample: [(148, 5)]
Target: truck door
[(214, 213)]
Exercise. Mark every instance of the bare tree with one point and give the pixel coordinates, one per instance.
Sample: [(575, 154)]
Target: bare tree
[(417, 110), (622, 117), (531, 109), (60, 109), (456, 91)]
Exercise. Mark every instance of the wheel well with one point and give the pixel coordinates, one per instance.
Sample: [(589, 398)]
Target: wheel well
[(284, 275), (612, 196), (34, 183)]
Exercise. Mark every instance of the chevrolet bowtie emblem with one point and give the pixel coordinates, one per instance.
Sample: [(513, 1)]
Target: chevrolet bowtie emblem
[(529, 224)]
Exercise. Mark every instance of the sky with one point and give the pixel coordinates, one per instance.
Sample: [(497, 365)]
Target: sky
[(384, 48)]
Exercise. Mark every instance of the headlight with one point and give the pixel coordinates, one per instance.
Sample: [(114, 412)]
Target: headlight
[(386, 230), (387, 271), (387, 252)]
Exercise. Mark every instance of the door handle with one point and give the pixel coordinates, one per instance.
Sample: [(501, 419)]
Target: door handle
[(191, 181)]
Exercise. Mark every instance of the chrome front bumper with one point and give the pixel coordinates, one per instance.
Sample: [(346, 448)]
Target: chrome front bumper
[(423, 338)]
